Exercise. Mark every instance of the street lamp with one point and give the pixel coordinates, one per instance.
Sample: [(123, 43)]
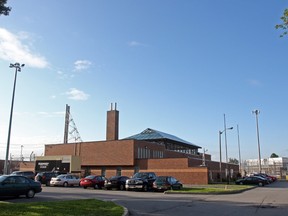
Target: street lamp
[(220, 150), (256, 112), (17, 67)]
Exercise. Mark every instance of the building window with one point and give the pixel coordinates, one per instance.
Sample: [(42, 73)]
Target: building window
[(157, 154), (139, 153), (118, 171), (136, 169), (103, 171)]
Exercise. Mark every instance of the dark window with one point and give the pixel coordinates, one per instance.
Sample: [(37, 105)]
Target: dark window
[(118, 171), (103, 171)]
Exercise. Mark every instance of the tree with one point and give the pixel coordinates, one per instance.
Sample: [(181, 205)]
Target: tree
[(284, 24), (233, 161), (273, 155), (4, 9)]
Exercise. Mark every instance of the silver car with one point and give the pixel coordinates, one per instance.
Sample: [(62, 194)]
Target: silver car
[(65, 180)]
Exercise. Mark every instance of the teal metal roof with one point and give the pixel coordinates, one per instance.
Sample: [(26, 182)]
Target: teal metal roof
[(151, 134)]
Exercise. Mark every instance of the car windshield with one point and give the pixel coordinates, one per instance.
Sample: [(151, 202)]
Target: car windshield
[(161, 179), (15, 173), (140, 175), (90, 177), (114, 177), (2, 178)]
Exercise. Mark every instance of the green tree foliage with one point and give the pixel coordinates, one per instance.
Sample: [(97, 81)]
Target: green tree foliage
[(233, 161), (284, 25), (4, 10), (273, 155)]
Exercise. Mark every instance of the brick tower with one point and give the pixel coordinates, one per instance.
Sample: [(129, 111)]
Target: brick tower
[(112, 130)]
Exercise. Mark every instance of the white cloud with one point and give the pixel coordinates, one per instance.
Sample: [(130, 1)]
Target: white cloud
[(135, 43), (81, 65), (75, 94), (13, 49), (254, 82), (64, 76), (39, 114)]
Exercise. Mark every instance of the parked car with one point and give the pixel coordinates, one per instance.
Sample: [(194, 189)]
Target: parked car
[(16, 185), (163, 183), (95, 181), (268, 178), (65, 180), (28, 174), (252, 180), (271, 178), (274, 178), (142, 180), (45, 177), (117, 182)]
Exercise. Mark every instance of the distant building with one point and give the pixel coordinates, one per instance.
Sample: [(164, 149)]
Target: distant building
[(273, 166), (151, 150)]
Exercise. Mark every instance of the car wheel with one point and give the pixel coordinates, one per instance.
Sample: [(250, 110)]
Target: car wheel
[(65, 184), (47, 183), (85, 187), (30, 193), (241, 183), (96, 186), (260, 184), (122, 187), (145, 188)]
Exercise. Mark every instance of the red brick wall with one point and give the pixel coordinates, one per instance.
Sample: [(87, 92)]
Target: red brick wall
[(123, 153), (112, 129), (163, 163), (110, 153), (102, 153), (195, 175), (60, 149)]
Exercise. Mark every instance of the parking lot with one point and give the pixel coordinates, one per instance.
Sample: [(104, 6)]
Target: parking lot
[(269, 200)]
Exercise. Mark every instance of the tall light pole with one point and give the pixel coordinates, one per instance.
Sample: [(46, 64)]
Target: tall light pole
[(256, 112), (220, 150), (17, 67), (21, 155), (239, 149)]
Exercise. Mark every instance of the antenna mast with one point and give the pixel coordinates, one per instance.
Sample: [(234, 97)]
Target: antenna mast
[(70, 131)]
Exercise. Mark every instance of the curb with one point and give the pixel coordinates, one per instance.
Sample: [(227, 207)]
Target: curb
[(126, 212)]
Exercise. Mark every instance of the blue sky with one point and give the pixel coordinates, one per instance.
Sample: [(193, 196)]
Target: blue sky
[(174, 66)]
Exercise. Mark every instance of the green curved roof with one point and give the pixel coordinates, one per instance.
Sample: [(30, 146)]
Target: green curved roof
[(151, 134)]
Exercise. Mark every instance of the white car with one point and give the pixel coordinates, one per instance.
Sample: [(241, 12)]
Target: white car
[(65, 180)]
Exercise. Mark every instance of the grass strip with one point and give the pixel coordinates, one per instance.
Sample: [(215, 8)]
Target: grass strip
[(85, 207), (218, 189)]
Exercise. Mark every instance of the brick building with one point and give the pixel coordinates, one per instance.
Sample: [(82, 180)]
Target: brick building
[(150, 150)]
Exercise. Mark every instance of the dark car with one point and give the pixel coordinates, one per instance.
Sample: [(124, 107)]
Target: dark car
[(141, 181), (268, 178), (95, 181), (28, 174), (163, 183), (117, 182), (252, 180), (15, 185), (45, 177)]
